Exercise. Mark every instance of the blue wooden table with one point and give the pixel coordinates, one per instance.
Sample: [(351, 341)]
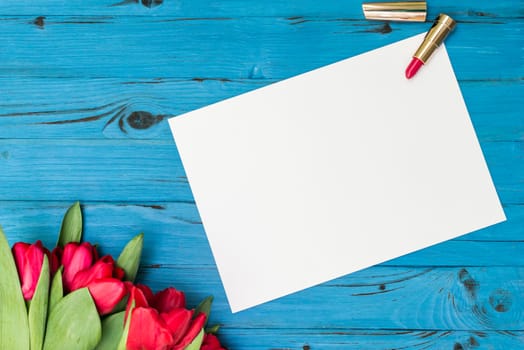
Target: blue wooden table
[(86, 87)]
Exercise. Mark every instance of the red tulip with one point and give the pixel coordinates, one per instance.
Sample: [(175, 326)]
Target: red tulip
[(55, 257), (29, 259), (211, 343), (75, 258), (165, 324), (148, 331), (147, 293), (83, 268), (106, 293), (196, 326), (169, 299)]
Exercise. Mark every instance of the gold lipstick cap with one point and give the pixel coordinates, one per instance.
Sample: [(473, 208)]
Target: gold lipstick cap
[(405, 11), (442, 26)]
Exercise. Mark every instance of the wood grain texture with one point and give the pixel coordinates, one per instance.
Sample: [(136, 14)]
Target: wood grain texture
[(382, 297), (242, 8), (28, 219), (86, 169), (102, 108), (236, 48), (176, 227), (86, 88), (311, 339)]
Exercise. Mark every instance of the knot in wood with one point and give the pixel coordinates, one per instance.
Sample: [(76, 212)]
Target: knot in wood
[(143, 120), (152, 3)]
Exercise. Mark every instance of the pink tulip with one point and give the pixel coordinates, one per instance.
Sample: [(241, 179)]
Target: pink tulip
[(83, 268), (165, 324), (29, 259)]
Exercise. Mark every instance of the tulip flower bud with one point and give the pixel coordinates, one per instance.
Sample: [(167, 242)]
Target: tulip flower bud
[(28, 259), (83, 268)]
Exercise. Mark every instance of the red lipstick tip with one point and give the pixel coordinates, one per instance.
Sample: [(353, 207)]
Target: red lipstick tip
[(413, 67)]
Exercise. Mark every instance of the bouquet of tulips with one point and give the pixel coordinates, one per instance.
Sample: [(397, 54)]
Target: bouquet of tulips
[(71, 298)]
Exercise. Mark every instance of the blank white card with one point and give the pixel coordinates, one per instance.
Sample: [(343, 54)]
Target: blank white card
[(334, 170)]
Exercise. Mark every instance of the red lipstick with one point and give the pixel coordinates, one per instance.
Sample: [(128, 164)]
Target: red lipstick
[(413, 67), (442, 26)]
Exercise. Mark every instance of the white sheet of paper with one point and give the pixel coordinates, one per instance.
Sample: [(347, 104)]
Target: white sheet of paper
[(334, 170)]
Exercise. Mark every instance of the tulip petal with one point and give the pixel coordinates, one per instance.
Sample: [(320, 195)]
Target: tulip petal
[(103, 268), (196, 327), (55, 258), (178, 321), (77, 257), (19, 249), (169, 299), (28, 259), (119, 273), (211, 342), (147, 292), (14, 327), (139, 297), (34, 257), (136, 299), (106, 293), (68, 252), (71, 229), (148, 331)]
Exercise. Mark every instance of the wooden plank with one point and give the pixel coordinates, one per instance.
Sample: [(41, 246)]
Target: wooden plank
[(336, 339), (29, 220), (236, 48), (511, 229), (110, 170), (456, 298), (122, 108), (213, 8), (174, 233)]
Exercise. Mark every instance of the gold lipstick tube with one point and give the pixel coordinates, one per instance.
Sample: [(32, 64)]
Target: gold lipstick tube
[(405, 11), (442, 26)]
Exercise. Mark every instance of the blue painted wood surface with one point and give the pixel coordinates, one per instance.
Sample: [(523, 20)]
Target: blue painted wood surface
[(86, 88)]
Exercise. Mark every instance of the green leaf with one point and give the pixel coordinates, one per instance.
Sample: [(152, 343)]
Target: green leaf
[(73, 323), (205, 307), (71, 230), (38, 308), (122, 304), (213, 329), (123, 340), (112, 329), (195, 344), (14, 326), (57, 290), (129, 259)]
